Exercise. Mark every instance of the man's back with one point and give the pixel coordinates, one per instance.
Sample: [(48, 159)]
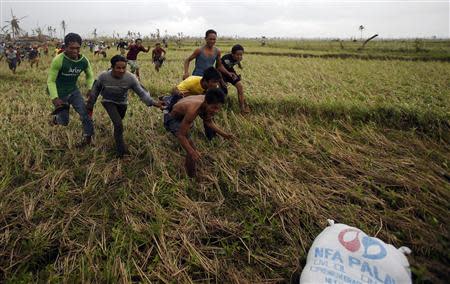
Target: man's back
[(190, 104)]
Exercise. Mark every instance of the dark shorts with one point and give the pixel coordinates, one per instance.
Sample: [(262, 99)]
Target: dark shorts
[(230, 80), (159, 60), (12, 63), (172, 124)]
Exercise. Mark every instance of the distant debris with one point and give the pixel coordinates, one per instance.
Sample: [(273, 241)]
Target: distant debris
[(367, 40)]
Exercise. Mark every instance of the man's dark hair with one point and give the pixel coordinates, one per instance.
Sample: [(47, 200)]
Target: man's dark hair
[(117, 58), (211, 73), (139, 39), (236, 48), (215, 96), (210, 32), (72, 37)]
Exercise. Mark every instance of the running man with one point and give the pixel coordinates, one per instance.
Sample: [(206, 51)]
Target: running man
[(33, 56), (122, 46), (62, 85), (158, 56), (196, 85), (206, 56), (180, 116), (133, 51), (229, 61), (11, 57), (2, 50), (113, 85)]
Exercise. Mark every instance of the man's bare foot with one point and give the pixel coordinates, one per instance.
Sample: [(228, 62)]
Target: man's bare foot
[(245, 109), (86, 141)]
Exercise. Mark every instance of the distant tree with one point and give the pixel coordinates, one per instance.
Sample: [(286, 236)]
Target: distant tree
[(38, 31), (50, 31), (361, 28), (64, 26), (14, 25)]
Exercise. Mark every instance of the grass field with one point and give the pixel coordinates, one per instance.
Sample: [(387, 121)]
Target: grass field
[(363, 142)]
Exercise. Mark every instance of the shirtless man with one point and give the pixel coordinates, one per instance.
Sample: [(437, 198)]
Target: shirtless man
[(179, 118)]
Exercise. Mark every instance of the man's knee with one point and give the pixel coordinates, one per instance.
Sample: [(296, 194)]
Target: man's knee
[(62, 120), (118, 127)]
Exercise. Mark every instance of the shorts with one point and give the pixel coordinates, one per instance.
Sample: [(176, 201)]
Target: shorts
[(159, 60), (230, 80), (171, 101), (12, 63), (172, 124), (133, 65)]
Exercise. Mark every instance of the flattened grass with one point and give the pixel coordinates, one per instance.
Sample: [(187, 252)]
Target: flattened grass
[(320, 143)]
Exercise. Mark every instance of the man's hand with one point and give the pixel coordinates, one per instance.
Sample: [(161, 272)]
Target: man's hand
[(159, 104), (195, 155), (185, 76), (57, 102)]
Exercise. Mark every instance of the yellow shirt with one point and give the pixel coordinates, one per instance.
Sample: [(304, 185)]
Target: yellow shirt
[(191, 86)]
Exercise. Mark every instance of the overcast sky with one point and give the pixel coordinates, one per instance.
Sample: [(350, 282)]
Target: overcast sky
[(246, 18)]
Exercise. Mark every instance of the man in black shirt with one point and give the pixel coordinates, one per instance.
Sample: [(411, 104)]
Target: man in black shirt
[(33, 56), (122, 45), (229, 61)]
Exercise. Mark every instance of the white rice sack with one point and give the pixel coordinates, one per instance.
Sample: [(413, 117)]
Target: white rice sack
[(343, 254)]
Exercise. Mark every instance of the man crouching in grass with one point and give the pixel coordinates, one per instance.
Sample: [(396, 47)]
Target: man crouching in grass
[(179, 118)]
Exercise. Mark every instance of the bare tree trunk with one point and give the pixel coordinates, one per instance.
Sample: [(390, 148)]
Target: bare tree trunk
[(367, 40)]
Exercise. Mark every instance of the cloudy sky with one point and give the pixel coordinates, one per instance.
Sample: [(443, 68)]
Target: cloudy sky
[(246, 18)]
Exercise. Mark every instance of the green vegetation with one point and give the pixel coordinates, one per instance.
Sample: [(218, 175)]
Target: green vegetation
[(363, 142)]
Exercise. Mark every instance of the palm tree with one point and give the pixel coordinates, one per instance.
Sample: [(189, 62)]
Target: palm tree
[(39, 32), (94, 33), (64, 26), (50, 31), (361, 28)]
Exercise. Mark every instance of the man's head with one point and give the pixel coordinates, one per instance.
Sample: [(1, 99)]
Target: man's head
[(158, 44), (139, 41), (237, 51), (210, 37), (72, 44), (211, 78), (214, 99), (118, 66)]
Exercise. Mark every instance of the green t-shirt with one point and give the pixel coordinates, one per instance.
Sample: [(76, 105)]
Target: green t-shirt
[(64, 73)]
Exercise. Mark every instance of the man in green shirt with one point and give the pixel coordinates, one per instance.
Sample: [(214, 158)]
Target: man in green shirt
[(62, 85)]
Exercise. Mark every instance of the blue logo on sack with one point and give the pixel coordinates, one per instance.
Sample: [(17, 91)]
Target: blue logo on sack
[(373, 248)]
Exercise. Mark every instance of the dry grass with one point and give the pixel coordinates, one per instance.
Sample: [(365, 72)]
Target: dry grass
[(83, 216)]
